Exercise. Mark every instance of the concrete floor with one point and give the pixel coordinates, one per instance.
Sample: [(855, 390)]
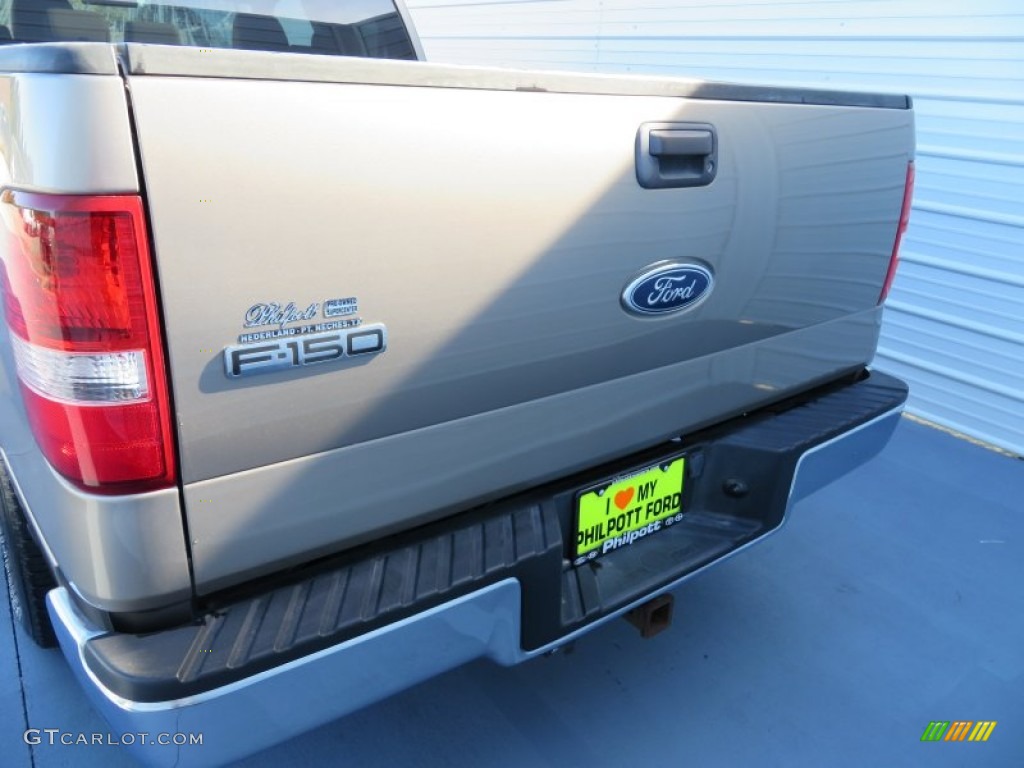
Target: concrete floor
[(890, 599)]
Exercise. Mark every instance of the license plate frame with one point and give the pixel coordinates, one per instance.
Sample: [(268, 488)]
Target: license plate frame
[(633, 508)]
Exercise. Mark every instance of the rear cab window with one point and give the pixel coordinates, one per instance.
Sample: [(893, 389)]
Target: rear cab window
[(371, 28)]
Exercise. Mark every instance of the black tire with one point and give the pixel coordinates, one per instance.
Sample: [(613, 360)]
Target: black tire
[(29, 577)]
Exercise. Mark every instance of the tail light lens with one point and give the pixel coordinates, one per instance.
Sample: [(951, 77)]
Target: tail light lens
[(80, 304), (894, 260)]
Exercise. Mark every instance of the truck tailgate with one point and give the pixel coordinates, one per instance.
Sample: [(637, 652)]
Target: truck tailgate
[(490, 222)]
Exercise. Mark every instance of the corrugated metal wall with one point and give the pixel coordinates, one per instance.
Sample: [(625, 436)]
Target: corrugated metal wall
[(954, 325)]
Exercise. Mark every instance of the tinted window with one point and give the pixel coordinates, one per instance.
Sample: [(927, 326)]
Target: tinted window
[(327, 27)]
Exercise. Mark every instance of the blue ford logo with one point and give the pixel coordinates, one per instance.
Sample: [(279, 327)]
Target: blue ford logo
[(667, 287)]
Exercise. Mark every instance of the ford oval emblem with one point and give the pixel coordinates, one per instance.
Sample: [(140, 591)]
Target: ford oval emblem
[(667, 287)]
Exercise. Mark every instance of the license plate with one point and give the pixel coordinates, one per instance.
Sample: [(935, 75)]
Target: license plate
[(628, 509)]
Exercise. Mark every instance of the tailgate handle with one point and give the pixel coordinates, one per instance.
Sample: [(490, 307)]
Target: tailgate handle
[(666, 143), (676, 155)]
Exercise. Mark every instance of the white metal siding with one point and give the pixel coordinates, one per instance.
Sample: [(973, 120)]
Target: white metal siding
[(954, 324)]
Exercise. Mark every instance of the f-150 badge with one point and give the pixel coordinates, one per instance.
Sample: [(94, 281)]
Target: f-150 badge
[(667, 287), (295, 335)]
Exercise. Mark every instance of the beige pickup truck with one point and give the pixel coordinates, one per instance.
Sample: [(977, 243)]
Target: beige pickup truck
[(326, 369)]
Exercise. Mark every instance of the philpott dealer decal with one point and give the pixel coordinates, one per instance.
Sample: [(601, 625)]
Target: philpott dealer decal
[(285, 336)]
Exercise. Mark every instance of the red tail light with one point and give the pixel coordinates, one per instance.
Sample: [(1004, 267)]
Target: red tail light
[(894, 260), (81, 308)]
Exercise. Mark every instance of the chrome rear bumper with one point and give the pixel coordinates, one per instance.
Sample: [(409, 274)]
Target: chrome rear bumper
[(266, 708)]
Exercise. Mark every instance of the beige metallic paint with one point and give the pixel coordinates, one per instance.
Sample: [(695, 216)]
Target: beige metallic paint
[(492, 231)]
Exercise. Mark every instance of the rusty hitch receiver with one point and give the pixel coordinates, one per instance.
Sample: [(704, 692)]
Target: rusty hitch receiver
[(653, 616)]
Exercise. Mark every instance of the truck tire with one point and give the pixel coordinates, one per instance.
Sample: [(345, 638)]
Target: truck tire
[(28, 573)]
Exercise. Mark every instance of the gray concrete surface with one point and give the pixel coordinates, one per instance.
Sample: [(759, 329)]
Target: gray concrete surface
[(890, 599)]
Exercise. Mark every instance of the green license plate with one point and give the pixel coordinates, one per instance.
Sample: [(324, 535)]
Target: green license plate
[(628, 509)]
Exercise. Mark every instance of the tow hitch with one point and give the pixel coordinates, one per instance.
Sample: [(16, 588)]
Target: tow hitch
[(653, 616)]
